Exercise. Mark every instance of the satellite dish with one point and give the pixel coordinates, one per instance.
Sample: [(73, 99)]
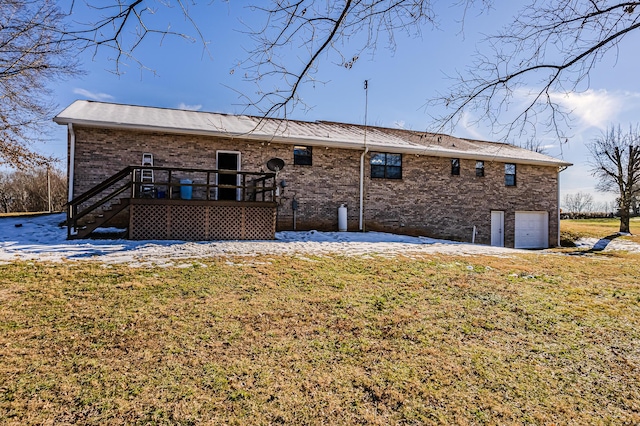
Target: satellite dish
[(275, 164)]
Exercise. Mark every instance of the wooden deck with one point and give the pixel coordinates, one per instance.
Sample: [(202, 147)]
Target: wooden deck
[(178, 204), (201, 220)]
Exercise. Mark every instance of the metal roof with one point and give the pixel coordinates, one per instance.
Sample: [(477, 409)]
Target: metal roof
[(320, 133)]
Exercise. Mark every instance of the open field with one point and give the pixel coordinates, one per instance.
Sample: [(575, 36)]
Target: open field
[(572, 229), (19, 214), (524, 339)]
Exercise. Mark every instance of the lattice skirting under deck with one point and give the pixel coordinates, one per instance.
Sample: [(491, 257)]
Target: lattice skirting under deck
[(202, 222)]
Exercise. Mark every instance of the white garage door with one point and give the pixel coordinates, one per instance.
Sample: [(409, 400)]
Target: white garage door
[(532, 230)]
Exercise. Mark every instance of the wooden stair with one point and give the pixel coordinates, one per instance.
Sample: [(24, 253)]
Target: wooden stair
[(99, 206), (95, 221)]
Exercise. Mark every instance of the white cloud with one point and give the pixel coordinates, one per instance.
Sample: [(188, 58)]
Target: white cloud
[(188, 107), (92, 95), (469, 128), (598, 108)]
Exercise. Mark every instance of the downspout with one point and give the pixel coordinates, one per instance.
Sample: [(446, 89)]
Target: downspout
[(558, 210), (72, 156), (560, 170), (364, 153)]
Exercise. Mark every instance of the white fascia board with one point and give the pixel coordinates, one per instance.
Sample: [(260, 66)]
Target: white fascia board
[(315, 141), (489, 157)]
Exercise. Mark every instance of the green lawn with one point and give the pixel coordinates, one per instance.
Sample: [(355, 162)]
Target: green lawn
[(528, 339)]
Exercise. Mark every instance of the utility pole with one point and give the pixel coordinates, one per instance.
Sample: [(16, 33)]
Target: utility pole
[(49, 185)]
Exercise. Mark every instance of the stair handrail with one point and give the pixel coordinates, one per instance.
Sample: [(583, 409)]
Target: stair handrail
[(72, 206), (102, 186), (73, 215), (103, 200)]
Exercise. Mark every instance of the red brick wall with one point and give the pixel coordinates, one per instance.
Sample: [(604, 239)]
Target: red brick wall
[(426, 201)]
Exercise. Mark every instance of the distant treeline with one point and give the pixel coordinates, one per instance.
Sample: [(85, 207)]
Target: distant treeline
[(587, 215), (28, 190)]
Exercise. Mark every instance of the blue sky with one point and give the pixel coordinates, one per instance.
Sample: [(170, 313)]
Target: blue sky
[(182, 75)]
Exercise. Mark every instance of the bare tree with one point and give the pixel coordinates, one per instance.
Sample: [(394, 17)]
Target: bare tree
[(534, 145), (548, 51), (615, 160), (612, 206), (31, 56), (27, 190), (6, 192), (608, 207), (121, 27), (635, 203), (580, 202), (323, 29), (39, 44)]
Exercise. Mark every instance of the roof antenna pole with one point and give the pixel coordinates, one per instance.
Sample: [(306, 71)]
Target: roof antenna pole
[(366, 107), (364, 153)]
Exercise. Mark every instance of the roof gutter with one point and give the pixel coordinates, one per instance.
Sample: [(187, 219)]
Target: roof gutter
[(373, 146)]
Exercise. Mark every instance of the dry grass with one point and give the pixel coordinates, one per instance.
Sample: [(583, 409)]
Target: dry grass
[(19, 214), (573, 229), (436, 340)]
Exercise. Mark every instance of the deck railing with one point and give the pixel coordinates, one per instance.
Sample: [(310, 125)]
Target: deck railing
[(172, 183)]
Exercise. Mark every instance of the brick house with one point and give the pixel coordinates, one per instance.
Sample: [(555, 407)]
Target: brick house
[(388, 179)]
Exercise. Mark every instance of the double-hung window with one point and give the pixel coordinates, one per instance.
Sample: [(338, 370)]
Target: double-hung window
[(510, 174), (386, 165), (480, 168)]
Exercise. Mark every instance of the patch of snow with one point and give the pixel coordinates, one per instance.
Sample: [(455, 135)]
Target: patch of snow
[(42, 238), (608, 245)]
